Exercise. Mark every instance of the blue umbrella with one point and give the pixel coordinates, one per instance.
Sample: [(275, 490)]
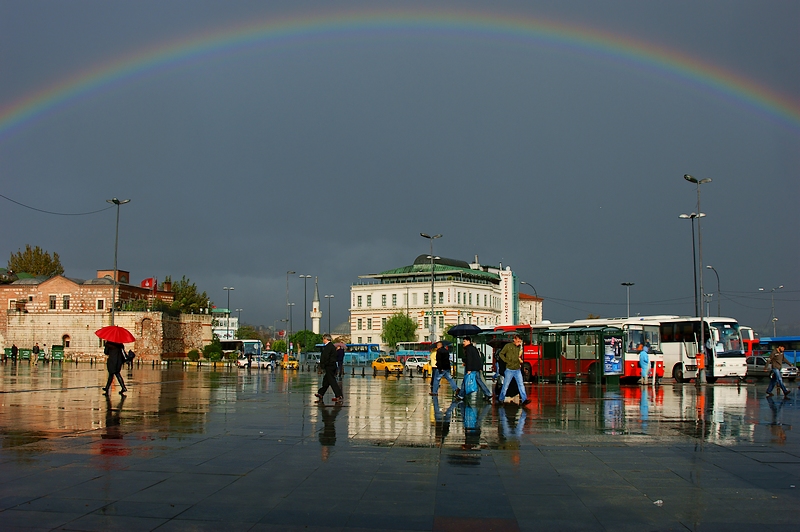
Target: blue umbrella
[(465, 329)]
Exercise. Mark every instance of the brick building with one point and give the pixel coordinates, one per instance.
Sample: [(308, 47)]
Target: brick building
[(66, 311)]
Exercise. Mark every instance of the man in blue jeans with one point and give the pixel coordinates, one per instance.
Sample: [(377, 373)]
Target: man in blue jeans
[(441, 370), (511, 354), (776, 359), (473, 363)]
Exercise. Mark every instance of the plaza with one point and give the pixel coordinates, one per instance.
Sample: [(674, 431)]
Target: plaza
[(208, 448)]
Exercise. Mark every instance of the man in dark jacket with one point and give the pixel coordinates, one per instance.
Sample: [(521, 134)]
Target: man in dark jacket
[(116, 358), (441, 370), (327, 361), (776, 361), (472, 364)]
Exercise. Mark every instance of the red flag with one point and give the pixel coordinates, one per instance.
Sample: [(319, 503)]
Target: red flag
[(149, 282)]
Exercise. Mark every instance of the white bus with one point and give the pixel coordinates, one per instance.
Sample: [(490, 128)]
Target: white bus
[(680, 342)]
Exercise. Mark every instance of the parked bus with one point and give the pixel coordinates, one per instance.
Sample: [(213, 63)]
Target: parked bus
[(749, 339), (242, 347), (361, 354), (403, 350), (588, 349), (791, 346), (680, 342)]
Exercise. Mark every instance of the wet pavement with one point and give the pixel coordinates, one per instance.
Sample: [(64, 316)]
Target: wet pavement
[(206, 449)]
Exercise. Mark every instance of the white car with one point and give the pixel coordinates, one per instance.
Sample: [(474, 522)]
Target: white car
[(258, 361), (417, 363)]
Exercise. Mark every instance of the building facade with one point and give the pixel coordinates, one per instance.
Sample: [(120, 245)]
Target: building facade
[(66, 311), (463, 292)]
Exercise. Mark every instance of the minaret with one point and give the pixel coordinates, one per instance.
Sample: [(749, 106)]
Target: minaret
[(316, 314)]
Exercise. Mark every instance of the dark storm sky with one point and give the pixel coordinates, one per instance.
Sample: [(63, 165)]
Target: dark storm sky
[(329, 154)]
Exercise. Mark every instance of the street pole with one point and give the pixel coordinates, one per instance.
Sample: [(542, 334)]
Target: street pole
[(433, 297), (291, 317), (329, 297), (699, 182), (228, 308), (628, 290), (535, 304), (694, 257), (305, 309), (116, 202), (719, 294), (288, 318), (774, 319)]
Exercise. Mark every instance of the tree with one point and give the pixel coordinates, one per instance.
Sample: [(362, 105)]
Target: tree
[(35, 261), (305, 339), (247, 332), (399, 328), (279, 346), (186, 297)]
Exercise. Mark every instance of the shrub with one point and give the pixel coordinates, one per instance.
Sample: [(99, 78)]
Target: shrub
[(193, 355)]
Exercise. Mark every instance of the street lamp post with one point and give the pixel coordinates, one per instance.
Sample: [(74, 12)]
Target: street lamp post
[(719, 293), (628, 290), (305, 307), (291, 317), (694, 256), (433, 297), (774, 318), (228, 308), (535, 318), (329, 297), (698, 182), (116, 202), (239, 316), (288, 318)]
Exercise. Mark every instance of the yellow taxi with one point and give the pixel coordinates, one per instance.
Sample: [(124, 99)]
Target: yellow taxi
[(290, 363), (386, 364)]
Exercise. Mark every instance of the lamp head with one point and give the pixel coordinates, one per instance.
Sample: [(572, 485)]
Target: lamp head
[(689, 178)]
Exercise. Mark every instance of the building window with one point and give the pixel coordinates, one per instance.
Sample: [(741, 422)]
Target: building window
[(383, 300), (359, 302), (383, 323), (441, 322), (484, 300), (414, 298), (394, 300), (369, 301), (101, 304), (369, 339), (12, 304), (52, 302), (425, 298), (359, 324), (65, 340), (369, 324), (359, 340), (65, 303), (459, 298), (441, 298), (470, 298), (426, 322)]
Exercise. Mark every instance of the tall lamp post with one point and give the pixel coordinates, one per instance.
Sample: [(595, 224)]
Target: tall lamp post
[(305, 307), (774, 318), (329, 297), (239, 317), (116, 202), (228, 308), (288, 318), (291, 317), (719, 294), (694, 256), (433, 297), (628, 290), (698, 182), (535, 318)]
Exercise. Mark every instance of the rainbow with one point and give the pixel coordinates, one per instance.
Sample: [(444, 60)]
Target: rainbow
[(725, 84)]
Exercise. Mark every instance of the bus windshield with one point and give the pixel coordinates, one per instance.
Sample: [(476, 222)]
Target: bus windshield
[(641, 335), (727, 341)]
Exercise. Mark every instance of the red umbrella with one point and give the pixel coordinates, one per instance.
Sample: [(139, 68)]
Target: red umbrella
[(340, 344), (115, 333)]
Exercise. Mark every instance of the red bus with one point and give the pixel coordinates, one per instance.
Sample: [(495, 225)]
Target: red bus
[(588, 350), (749, 339)]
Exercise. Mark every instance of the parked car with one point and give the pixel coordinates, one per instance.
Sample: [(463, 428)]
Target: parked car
[(383, 364), (258, 361), (419, 364), (290, 363), (757, 368)]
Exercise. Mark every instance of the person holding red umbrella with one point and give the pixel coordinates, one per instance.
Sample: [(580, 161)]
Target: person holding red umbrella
[(116, 357)]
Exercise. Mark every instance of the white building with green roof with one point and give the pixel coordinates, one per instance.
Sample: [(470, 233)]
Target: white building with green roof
[(486, 296)]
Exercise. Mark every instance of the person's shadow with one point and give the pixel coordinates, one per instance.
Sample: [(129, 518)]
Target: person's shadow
[(327, 436), (776, 426)]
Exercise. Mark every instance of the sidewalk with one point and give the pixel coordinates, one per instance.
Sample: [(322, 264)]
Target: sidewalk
[(203, 450)]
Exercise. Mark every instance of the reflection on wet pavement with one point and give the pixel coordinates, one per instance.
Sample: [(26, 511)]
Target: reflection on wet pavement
[(187, 434)]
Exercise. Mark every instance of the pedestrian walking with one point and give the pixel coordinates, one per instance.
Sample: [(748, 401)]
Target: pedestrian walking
[(14, 351), (35, 352), (776, 359), (472, 364), (116, 357), (511, 354), (644, 364), (441, 370), (340, 361), (327, 361)]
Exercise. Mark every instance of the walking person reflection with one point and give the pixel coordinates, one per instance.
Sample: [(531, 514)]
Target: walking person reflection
[(113, 430), (442, 420), (510, 437), (776, 426)]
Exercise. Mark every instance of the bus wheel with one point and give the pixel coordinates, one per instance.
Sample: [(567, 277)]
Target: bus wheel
[(527, 373), (677, 373), (711, 380)]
